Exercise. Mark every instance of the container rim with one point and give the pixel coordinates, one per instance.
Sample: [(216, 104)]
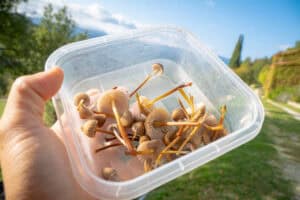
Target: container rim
[(69, 48)]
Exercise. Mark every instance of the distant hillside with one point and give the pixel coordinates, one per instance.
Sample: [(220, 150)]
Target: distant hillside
[(283, 78)]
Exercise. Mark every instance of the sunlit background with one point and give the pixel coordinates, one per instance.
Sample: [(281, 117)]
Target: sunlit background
[(258, 40)]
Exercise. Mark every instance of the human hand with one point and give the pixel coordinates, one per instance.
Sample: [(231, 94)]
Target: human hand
[(34, 161)]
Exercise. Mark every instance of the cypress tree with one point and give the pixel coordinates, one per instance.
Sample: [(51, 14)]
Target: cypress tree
[(235, 59)]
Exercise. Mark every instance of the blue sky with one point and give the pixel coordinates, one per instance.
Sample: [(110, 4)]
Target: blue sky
[(268, 25)]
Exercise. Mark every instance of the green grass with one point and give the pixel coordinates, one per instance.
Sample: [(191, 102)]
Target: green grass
[(248, 172), (2, 105)]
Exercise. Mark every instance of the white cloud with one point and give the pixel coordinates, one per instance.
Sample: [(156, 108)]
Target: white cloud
[(89, 16), (283, 47)]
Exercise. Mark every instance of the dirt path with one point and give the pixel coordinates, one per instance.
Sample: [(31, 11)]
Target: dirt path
[(296, 115), (287, 143)]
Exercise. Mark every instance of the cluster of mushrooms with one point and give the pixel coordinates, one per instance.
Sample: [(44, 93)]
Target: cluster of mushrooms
[(152, 134)]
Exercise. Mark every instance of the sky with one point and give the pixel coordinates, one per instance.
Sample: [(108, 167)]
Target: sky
[(268, 26)]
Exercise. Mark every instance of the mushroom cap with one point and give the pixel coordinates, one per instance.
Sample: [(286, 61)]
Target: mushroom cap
[(104, 103), (211, 120), (82, 97), (110, 174), (138, 128), (158, 68), (157, 115), (155, 145), (89, 127), (126, 119), (144, 138), (100, 119), (84, 112), (178, 114)]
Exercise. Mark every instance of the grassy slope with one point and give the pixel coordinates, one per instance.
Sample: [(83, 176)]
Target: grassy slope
[(248, 172)]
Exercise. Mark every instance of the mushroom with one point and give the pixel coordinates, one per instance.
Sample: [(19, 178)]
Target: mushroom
[(90, 127), (157, 115), (126, 119), (82, 97), (116, 102), (178, 114), (151, 149), (105, 102), (157, 69), (101, 118), (84, 111), (192, 133), (109, 174), (138, 128)]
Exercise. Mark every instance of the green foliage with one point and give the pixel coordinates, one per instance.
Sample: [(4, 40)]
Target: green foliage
[(24, 47), (249, 70), (7, 5), (262, 76), (297, 44), (49, 115), (55, 30), (235, 59)]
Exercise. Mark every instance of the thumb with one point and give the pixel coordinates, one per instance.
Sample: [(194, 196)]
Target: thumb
[(30, 93)]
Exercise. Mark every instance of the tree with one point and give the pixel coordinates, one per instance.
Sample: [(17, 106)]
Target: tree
[(235, 59), (54, 30)]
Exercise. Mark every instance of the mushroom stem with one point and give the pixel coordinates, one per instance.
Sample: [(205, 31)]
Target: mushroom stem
[(141, 85), (104, 131), (147, 166), (192, 103), (123, 133), (180, 123), (173, 152), (170, 92), (170, 145), (183, 108), (194, 131), (107, 146), (141, 107), (185, 96)]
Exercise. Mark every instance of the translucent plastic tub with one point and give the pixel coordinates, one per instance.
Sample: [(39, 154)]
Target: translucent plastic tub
[(108, 61)]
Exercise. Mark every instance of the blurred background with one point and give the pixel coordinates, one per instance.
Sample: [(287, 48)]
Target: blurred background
[(258, 40)]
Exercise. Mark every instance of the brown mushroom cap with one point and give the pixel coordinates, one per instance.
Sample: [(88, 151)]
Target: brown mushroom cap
[(211, 120), (126, 119), (104, 103), (84, 112), (110, 174), (151, 145), (82, 97), (158, 68), (100, 119), (89, 128), (157, 115), (178, 114), (138, 128)]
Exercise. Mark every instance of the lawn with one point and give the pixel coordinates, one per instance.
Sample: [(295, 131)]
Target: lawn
[(253, 171)]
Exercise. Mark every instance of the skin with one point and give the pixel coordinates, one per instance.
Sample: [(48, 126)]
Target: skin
[(34, 160)]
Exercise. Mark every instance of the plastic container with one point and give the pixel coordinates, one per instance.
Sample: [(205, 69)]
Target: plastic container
[(124, 60)]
